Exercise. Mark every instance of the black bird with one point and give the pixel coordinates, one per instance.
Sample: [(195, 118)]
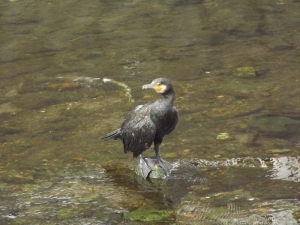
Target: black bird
[(149, 123)]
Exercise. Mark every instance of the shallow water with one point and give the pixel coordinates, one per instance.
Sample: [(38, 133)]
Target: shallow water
[(235, 151)]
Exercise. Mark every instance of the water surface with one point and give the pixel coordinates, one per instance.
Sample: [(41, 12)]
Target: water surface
[(235, 151)]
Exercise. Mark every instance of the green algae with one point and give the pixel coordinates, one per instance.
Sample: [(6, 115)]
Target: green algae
[(158, 172), (279, 151), (68, 212), (296, 215), (223, 136), (245, 72)]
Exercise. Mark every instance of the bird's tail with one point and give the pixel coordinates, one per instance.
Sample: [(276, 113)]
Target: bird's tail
[(116, 134)]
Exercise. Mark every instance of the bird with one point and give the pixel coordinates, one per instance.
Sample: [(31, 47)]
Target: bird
[(147, 124)]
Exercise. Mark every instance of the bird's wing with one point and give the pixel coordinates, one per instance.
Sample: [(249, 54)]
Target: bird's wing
[(138, 130)]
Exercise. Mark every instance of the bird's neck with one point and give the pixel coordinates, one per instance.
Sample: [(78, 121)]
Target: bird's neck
[(170, 96)]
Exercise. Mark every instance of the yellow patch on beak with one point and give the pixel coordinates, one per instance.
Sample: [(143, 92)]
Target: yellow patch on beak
[(158, 88)]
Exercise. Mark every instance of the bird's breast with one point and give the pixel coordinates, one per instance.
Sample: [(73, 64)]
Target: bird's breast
[(165, 120)]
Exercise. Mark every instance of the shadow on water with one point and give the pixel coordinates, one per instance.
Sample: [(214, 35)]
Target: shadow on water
[(235, 151)]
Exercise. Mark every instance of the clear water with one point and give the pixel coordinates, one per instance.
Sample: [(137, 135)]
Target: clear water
[(54, 167)]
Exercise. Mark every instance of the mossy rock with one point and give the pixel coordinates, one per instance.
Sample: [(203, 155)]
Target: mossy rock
[(296, 215), (68, 212), (279, 151), (277, 126), (156, 173), (148, 215), (245, 72), (223, 136)]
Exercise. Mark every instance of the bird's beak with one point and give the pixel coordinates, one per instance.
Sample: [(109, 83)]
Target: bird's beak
[(148, 86)]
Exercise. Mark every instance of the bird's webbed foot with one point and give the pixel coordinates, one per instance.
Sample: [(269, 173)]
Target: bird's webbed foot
[(164, 165), (145, 167), (148, 164)]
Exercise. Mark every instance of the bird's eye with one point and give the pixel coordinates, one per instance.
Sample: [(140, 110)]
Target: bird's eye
[(158, 84)]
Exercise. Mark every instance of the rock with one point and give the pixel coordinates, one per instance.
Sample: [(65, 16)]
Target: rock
[(246, 139), (223, 136), (278, 151), (148, 214), (296, 215), (265, 93), (277, 126), (8, 108), (245, 72)]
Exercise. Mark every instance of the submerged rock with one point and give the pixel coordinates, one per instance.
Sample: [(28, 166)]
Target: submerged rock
[(8, 108), (247, 139), (277, 126), (296, 215), (245, 72), (223, 136), (148, 214), (278, 151)]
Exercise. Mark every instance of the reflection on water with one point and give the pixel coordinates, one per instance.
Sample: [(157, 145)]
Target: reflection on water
[(286, 168), (235, 68)]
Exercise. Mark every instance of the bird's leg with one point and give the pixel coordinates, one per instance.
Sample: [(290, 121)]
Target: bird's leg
[(157, 143), (147, 164), (162, 163)]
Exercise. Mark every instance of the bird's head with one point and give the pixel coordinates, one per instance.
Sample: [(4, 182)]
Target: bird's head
[(160, 85)]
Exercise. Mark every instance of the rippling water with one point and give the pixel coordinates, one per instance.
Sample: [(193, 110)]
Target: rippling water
[(235, 151)]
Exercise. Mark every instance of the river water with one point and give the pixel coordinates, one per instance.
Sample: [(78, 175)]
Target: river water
[(235, 151)]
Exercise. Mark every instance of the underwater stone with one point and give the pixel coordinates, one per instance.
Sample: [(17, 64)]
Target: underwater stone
[(223, 136), (245, 72), (246, 139), (147, 215), (265, 94), (296, 215), (232, 148), (8, 108), (278, 151), (277, 126)]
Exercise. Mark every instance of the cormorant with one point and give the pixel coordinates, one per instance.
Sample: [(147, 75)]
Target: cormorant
[(149, 123)]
